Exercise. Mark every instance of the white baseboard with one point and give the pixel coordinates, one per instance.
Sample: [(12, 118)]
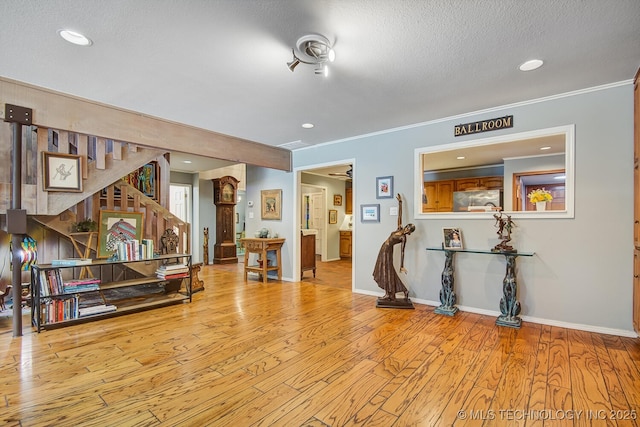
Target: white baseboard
[(550, 322)]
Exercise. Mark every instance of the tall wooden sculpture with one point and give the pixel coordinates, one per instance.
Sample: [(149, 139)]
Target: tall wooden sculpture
[(205, 247)]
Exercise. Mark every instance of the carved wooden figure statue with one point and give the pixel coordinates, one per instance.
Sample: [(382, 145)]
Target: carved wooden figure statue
[(205, 247)]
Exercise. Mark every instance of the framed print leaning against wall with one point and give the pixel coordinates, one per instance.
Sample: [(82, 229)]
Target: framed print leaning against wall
[(117, 227)]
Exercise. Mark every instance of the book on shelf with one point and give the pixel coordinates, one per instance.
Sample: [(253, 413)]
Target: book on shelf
[(71, 261), (81, 285), (96, 309), (172, 271)]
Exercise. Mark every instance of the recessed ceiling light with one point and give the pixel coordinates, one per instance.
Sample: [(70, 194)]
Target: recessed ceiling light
[(307, 125), (460, 157), (545, 148), (187, 162), (75, 37), (531, 65)]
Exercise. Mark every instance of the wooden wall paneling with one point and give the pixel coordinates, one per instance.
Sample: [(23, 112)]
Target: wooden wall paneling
[(124, 198), (117, 150), (5, 152), (164, 181), (160, 227), (110, 198), (82, 145), (101, 153), (95, 207), (81, 211), (41, 195), (148, 223), (30, 153), (63, 141), (136, 203), (60, 111)]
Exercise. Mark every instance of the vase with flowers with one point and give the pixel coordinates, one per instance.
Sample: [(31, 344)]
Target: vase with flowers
[(540, 197)]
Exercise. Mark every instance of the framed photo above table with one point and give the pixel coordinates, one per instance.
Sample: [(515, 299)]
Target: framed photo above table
[(369, 213), (271, 204), (62, 172), (384, 187)]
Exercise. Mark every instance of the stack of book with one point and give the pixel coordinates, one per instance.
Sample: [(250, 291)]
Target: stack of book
[(71, 261), (96, 309), (172, 271), (81, 285)]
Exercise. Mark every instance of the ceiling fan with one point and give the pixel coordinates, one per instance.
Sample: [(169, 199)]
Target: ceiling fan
[(348, 174)]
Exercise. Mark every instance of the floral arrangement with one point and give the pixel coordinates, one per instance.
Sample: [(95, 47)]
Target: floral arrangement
[(540, 195)]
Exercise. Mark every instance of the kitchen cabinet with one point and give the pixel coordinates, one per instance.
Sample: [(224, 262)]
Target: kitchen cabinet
[(345, 244), (438, 196)]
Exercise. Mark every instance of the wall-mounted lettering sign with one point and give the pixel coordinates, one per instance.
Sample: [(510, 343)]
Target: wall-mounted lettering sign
[(483, 126)]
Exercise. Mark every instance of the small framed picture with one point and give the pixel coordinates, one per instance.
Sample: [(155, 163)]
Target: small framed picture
[(271, 202), (333, 216), (61, 172), (452, 238), (370, 213), (384, 187), (337, 200)]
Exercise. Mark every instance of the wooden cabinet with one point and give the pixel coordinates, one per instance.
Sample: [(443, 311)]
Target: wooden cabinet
[(307, 254), (438, 196), (61, 298), (345, 244), (484, 183), (348, 200)]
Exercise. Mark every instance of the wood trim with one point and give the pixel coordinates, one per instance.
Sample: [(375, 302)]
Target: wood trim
[(61, 111)]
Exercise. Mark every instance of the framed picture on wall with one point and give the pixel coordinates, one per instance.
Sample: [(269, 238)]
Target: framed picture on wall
[(384, 187), (333, 216), (337, 200), (271, 204), (61, 172), (369, 213)]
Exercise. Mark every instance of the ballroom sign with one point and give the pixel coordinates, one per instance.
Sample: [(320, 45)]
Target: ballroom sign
[(483, 126)]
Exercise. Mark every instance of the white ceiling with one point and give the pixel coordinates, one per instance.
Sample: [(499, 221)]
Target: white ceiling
[(221, 64)]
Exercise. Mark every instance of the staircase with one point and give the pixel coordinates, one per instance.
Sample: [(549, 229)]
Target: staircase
[(102, 164)]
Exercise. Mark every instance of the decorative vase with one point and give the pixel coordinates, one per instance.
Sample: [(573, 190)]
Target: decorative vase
[(541, 206)]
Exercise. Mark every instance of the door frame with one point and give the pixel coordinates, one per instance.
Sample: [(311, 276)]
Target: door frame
[(297, 196)]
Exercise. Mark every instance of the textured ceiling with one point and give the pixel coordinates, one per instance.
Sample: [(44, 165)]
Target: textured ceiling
[(221, 64)]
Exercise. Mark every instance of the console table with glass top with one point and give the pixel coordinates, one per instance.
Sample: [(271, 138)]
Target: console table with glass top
[(509, 304)]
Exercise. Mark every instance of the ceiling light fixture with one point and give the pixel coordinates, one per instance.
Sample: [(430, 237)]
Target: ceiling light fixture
[(313, 49), (75, 38), (307, 125), (531, 65)]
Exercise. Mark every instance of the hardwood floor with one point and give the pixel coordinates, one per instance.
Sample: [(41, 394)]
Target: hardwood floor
[(303, 354)]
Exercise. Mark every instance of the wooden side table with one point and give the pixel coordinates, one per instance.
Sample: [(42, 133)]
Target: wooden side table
[(84, 270), (261, 247)]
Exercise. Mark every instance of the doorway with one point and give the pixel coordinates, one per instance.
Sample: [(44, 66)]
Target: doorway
[(325, 186)]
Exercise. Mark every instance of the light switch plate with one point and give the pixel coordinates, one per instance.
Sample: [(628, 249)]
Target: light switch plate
[(393, 211)]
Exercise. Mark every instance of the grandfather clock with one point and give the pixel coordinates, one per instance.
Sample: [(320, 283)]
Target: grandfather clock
[(224, 197)]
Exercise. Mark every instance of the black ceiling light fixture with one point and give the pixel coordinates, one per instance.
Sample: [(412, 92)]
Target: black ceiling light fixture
[(313, 49)]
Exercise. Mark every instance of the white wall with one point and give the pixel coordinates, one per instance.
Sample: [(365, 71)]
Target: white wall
[(581, 275)]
